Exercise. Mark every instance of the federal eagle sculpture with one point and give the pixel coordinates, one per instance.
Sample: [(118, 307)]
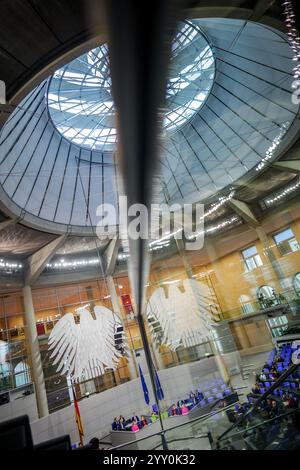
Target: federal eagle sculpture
[(85, 349), (183, 312)]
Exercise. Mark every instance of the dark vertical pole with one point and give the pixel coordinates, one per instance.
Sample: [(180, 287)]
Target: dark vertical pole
[(139, 37)]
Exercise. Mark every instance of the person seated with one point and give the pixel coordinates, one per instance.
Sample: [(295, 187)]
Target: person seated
[(279, 359), (238, 410), (122, 422), (256, 390), (136, 420), (199, 396), (274, 409), (184, 410), (180, 403), (143, 421), (135, 427), (153, 417), (288, 401), (94, 443), (115, 425), (174, 410), (193, 397), (262, 377), (276, 374)]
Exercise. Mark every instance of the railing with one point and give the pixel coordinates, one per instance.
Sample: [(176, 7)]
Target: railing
[(245, 434), (244, 418)]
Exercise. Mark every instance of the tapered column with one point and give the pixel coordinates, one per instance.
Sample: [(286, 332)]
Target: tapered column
[(36, 361), (159, 363), (116, 308)]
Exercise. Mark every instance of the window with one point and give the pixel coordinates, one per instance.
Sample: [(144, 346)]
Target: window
[(286, 242), (251, 258), (247, 306), (296, 283), (21, 374), (266, 291)]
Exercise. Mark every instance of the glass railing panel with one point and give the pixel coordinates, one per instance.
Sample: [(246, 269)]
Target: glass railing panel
[(268, 416), (199, 434), (280, 432)]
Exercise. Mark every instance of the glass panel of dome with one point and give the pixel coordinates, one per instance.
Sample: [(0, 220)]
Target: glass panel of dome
[(80, 99)]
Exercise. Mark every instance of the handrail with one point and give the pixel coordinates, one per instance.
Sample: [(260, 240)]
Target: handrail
[(281, 379), (159, 433), (222, 399), (259, 425)]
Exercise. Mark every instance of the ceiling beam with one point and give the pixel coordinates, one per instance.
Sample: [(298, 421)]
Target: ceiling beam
[(292, 166), (7, 223), (37, 262), (261, 7), (110, 256), (243, 210)]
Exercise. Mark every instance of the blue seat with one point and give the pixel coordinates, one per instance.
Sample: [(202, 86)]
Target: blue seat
[(210, 399), (228, 391), (219, 395)]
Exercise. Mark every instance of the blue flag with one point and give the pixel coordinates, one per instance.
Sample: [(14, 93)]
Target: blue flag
[(144, 386), (159, 390)]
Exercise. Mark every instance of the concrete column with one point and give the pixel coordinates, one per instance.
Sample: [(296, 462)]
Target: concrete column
[(36, 361), (116, 308), (222, 368), (158, 362)]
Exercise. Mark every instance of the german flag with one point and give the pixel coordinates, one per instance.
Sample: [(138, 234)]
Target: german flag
[(78, 418)]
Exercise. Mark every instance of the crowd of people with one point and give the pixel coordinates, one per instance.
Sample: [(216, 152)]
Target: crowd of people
[(182, 407), (135, 423), (285, 397)]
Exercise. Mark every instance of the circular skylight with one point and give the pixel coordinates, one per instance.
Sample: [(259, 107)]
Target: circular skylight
[(80, 100)]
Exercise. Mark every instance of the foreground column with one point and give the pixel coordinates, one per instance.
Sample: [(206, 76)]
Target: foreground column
[(36, 361)]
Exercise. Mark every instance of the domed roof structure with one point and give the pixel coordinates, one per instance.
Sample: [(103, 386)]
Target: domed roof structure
[(228, 112)]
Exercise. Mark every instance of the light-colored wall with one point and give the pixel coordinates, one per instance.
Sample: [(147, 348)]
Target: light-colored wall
[(20, 406)]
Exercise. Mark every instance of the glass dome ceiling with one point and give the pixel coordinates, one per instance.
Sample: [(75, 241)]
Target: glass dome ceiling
[(212, 142), (81, 104)]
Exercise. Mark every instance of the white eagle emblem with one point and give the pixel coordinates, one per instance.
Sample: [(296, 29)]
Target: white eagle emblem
[(86, 349), (184, 315)]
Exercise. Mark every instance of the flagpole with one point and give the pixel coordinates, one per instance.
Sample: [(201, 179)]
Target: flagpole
[(77, 416), (148, 357)]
